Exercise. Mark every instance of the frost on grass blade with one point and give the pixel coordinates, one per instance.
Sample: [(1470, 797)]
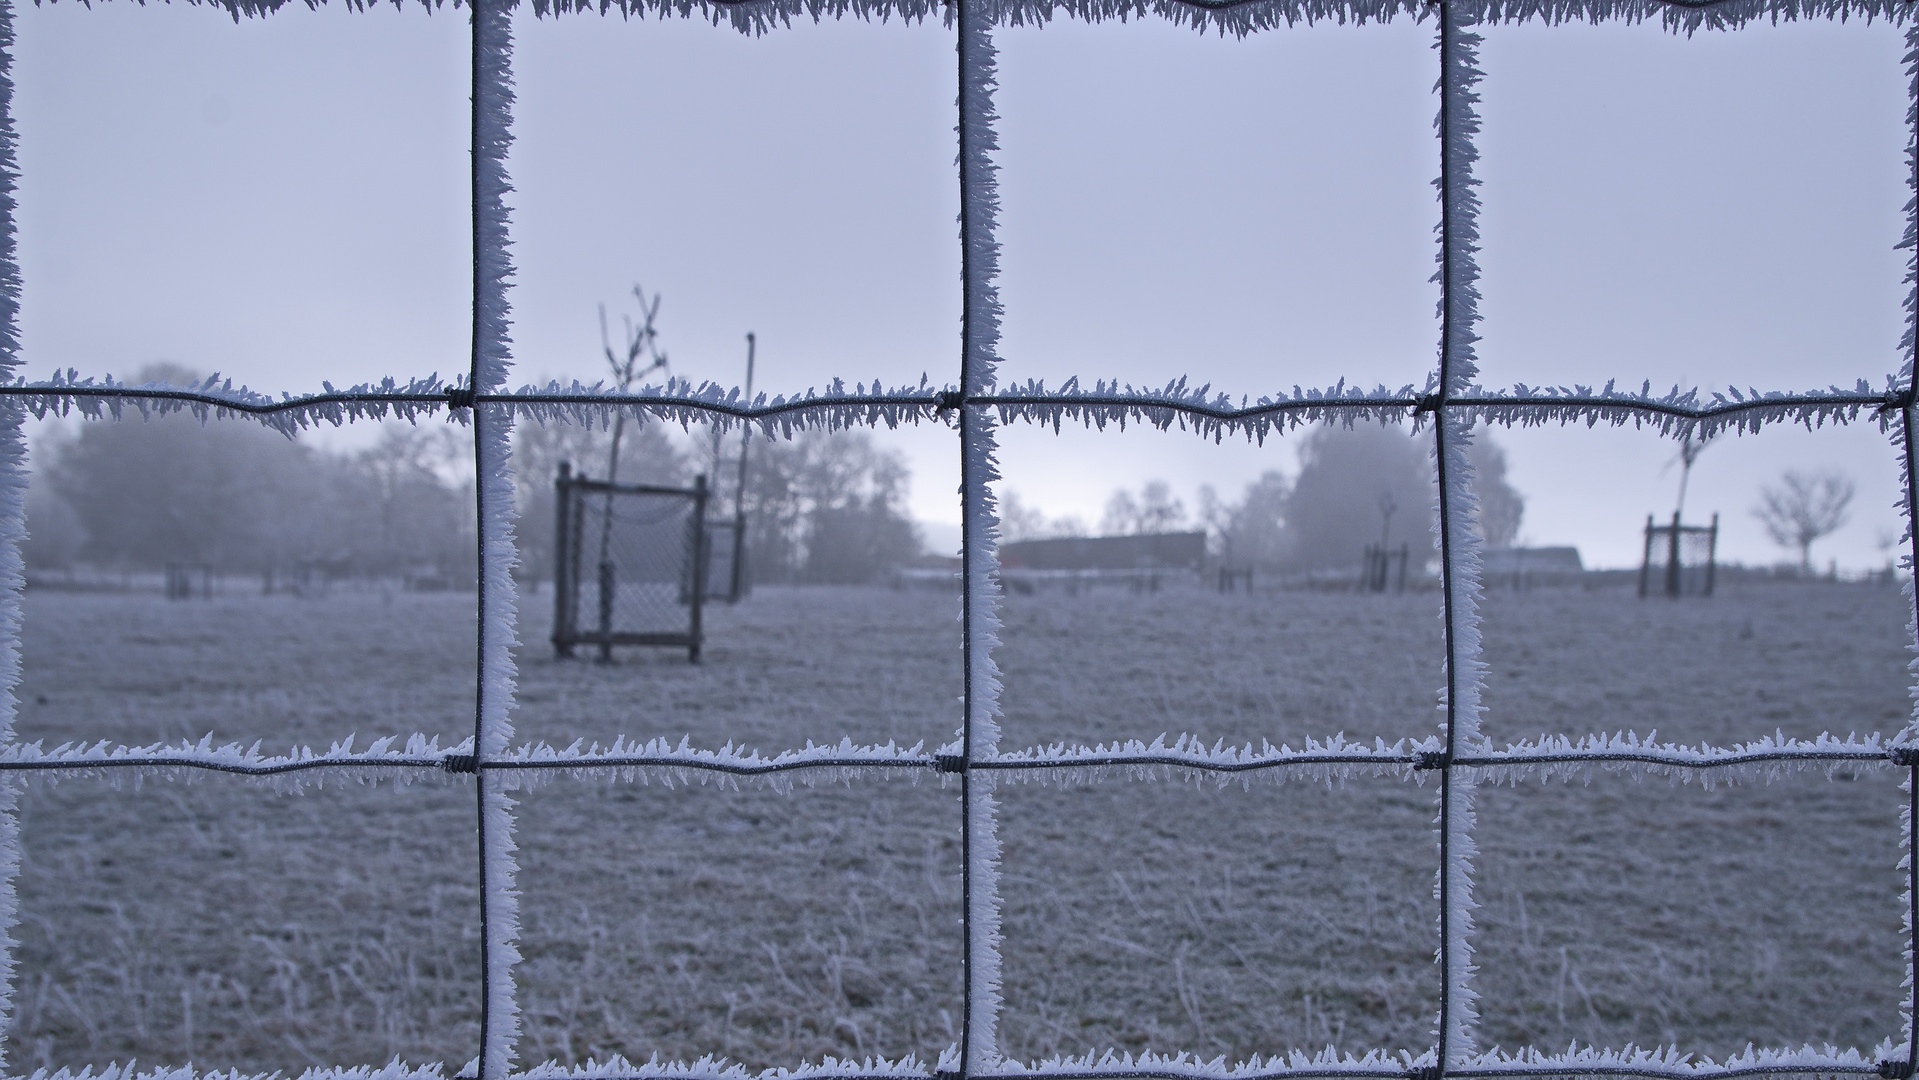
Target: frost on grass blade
[(1184, 614), (1604, 923), (307, 665), (770, 928), (158, 923), (1176, 917)]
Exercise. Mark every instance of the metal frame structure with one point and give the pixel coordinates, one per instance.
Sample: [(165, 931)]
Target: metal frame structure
[(569, 558), (1673, 576)]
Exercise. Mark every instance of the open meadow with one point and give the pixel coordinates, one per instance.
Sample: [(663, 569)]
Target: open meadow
[(220, 922)]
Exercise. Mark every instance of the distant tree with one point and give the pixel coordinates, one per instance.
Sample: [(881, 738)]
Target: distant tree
[(1018, 521), (1500, 507), (55, 536), (1067, 526), (141, 493), (1355, 485), (641, 343), (1803, 507), (1251, 532), (172, 489), (1155, 510), (827, 508), (1121, 516), (1690, 447), (416, 517)]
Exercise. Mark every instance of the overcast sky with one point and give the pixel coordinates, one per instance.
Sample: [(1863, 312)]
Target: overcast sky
[(284, 201)]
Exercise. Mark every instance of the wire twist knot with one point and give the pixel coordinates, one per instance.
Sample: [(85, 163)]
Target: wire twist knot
[(1423, 1072), (461, 763), (1429, 403), (1896, 1070), (1904, 756), (459, 397), (948, 400), (953, 763), (1433, 759)]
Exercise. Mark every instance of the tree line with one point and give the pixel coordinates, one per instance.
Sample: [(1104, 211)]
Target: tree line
[(137, 495), (1355, 486), (825, 508), (239, 498)]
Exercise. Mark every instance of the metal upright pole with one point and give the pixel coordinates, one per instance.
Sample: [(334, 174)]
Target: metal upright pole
[(736, 588), (699, 564), (1712, 554), (1645, 559), (562, 595), (1672, 558)]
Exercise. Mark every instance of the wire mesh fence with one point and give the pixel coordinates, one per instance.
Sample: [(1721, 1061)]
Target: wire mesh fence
[(1679, 559), (652, 594), (630, 565)]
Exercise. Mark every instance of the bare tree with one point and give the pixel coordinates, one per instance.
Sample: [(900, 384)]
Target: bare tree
[(1155, 511), (1347, 479), (1501, 507), (1252, 531), (1802, 508), (1691, 445), (642, 341), (1018, 521)]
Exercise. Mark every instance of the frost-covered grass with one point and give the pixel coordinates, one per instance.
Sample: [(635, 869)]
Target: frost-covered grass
[(340, 926)]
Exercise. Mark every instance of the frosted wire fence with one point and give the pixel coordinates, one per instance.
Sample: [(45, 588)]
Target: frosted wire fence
[(1459, 756)]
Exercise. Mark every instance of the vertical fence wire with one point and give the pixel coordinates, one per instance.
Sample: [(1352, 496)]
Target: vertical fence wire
[(979, 732), (13, 491), (1458, 546), (1909, 497), (492, 116)]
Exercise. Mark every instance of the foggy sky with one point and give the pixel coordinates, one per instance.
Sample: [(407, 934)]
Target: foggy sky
[(284, 201)]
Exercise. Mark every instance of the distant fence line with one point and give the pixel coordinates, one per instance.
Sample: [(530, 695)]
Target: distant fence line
[(1455, 759)]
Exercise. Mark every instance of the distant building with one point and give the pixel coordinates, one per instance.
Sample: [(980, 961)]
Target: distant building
[(1155, 551), (1537, 560)]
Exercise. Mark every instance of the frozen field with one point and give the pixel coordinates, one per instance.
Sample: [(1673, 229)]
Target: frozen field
[(220, 922)]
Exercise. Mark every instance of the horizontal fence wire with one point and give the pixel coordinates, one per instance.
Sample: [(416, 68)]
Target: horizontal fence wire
[(1457, 758), (1407, 755), (680, 401)]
